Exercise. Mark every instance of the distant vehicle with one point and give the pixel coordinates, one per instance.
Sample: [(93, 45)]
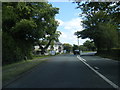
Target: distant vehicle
[(76, 52)]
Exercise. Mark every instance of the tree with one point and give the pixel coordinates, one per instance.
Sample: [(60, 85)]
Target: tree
[(26, 23), (19, 30), (46, 41), (99, 23), (89, 45), (47, 27), (75, 47), (67, 47), (83, 48)]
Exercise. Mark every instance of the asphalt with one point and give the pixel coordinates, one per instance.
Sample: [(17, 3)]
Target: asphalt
[(67, 71), (107, 67)]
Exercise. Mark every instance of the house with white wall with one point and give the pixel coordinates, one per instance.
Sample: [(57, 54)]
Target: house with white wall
[(57, 47)]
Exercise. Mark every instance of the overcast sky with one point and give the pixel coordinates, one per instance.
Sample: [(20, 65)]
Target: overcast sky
[(70, 22)]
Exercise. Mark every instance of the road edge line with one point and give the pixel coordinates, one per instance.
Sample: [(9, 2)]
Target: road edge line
[(99, 74)]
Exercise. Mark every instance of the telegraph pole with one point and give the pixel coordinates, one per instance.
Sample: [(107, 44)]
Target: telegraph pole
[(78, 41), (78, 36), (78, 45)]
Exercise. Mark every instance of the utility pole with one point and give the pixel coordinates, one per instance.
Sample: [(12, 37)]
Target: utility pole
[(78, 45), (78, 36), (78, 41)]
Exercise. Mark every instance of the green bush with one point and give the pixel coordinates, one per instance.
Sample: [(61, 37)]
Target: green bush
[(113, 53), (10, 52)]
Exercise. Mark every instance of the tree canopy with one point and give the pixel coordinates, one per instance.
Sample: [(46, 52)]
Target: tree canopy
[(23, 25), (67, 47), (90, 46), (100, 23)]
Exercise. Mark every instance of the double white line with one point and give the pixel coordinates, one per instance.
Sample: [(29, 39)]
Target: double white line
[(99, 74)]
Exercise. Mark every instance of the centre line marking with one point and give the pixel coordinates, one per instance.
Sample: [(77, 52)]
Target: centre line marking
[(99, 74)]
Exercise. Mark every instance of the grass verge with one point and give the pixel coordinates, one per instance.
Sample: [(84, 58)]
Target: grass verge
[(11, 71), (87, 51)]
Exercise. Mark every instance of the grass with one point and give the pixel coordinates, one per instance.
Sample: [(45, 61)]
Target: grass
[(11, 71), (38, 57), (87, 51)]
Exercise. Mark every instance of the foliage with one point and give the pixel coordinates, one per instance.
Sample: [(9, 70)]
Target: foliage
[(114, 53), (83, 48), (24, 24), (89, 45), (67, 47), (9, 49), (100, 23), (75, 47), (48, 40)]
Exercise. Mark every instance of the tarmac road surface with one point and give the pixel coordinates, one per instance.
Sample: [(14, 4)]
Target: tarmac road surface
[(71, 71)]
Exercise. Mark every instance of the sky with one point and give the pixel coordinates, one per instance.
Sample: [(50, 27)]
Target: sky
[(70, 22)]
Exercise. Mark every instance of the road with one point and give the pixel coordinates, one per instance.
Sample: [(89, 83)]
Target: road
[(71, 71)]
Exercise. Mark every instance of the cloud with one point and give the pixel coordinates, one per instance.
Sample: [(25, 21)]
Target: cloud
[(68, 28), (73, 25), (63, 35)]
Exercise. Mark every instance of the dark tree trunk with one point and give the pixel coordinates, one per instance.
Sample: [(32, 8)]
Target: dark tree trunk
[(44, 48), (41, 47), (48, 44), (42, 51), (97, 44)]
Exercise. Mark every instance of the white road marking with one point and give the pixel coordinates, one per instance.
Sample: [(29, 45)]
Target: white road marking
[(96, 68), (81, 58), (99, 74), (84, 60)]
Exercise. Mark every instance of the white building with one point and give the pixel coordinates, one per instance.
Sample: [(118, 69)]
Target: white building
[(57, 47)]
